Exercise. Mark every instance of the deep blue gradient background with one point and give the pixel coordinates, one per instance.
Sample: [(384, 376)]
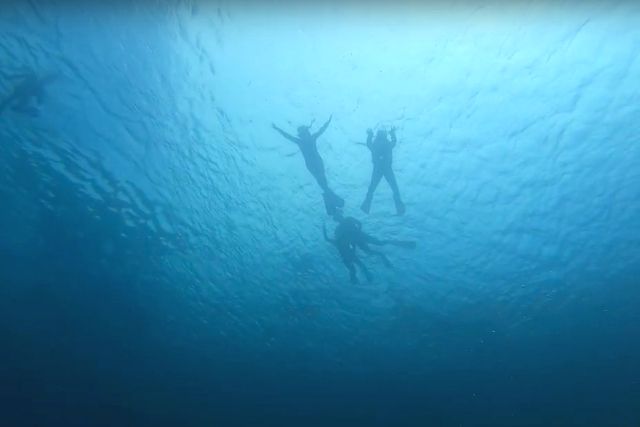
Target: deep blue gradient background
[(161, 258)]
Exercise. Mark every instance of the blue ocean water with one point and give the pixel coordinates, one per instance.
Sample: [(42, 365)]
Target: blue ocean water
[(161, 253)]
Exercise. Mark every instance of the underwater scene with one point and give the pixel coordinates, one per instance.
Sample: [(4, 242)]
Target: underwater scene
[(263, 213)]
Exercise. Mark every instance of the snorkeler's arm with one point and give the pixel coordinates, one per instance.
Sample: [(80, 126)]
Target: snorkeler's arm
[(323, 128), (369, 137), (284, 134), (394, 140)]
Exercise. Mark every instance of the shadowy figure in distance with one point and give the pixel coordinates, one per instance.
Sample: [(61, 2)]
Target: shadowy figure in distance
[(28, 94)]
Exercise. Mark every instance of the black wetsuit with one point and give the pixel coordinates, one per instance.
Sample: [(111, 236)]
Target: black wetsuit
[(308, 146), (349, 237), (382, 159), (313, 161)]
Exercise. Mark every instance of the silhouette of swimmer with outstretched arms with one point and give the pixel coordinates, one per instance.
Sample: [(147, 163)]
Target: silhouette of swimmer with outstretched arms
[(348, 237), (382, 158), (28, 95), (307, 143)]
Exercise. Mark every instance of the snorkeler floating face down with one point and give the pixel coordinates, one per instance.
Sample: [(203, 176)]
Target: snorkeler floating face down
[(349, 236), (306, 141)]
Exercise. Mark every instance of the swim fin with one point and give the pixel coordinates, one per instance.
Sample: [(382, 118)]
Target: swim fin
[(332, 202), (366, 205), (337, 200), (329, 204)]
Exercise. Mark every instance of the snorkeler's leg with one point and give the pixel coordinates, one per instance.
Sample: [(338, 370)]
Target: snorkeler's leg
[(352, 273), (376, 176), (352, 269), (316, 169), (337, 200), (315, 166), (329, 204), (407, 244), (364, 269), (366, 249), (331, 200), (391, 179), (322, 180), (347, 255), (367, 238), (318, 173)]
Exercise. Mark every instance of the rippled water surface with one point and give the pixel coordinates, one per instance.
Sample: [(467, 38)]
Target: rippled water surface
[(161, 252)]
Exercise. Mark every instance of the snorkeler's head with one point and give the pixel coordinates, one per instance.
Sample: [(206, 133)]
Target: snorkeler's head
[(381, 134)]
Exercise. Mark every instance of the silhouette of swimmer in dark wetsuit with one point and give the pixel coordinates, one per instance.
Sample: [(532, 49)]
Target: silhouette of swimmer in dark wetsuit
[(31, 88), (307, 143), (382, 158), (348, 237)]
